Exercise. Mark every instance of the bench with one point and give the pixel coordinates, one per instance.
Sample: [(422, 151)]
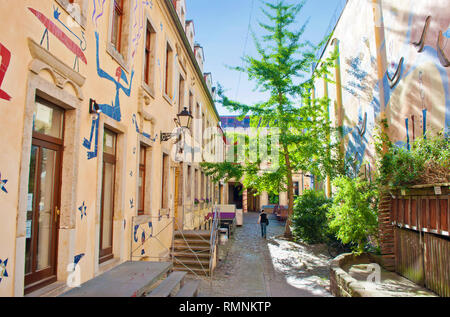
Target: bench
[(190, 289), (168, 285), (281, 213)]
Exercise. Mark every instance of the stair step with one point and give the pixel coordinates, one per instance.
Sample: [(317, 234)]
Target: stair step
[(191, 262), (190, 289), (192, 239), (168, 285), (192, 254), (197, 271), (186, 248), (205, 234)]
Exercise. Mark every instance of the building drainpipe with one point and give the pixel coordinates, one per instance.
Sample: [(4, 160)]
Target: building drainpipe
[(325, 93)]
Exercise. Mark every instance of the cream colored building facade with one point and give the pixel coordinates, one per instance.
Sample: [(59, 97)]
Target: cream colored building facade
[(88, 190)]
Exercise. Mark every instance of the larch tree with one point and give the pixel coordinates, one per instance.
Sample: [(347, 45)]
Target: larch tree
[(300, 121)]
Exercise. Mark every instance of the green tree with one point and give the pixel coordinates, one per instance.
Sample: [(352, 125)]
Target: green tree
[(302, 121)]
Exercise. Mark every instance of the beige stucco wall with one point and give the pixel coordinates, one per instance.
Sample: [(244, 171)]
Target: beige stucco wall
[(74, 88)]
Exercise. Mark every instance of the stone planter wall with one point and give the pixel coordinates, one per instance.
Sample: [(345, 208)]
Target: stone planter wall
[(341, 283)]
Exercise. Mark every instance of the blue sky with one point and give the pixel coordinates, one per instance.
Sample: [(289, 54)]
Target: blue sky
[(221, 28)]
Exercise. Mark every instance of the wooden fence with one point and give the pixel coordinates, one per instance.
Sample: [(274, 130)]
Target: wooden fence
[(420, 218)]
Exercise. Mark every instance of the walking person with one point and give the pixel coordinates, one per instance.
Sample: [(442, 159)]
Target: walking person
[(263, 220)]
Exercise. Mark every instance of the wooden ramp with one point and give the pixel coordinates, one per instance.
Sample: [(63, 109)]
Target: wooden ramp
[(129, 279)]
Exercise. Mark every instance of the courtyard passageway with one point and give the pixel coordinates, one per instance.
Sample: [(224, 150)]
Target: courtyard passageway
[(274, 267)]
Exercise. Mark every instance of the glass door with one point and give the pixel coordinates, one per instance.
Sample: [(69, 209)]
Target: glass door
[(107, 204), (43, 199)]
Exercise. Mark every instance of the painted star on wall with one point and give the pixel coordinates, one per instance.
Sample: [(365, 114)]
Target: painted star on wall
[(3, 184), (3, 272), (82, 209)]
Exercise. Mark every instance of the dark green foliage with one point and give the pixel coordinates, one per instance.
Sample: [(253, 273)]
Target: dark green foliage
[(309, 219)]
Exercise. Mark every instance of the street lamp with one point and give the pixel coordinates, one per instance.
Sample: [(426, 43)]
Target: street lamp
[(183, 120)]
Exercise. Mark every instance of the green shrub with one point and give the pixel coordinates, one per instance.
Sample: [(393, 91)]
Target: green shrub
[(309, 219), (352, 215), (427, 162)]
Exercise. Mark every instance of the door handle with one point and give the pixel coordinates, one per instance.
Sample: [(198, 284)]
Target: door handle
[(57, 213)]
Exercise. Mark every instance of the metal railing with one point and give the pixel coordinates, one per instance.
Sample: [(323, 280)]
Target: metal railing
[(213, 239), (170, 225)]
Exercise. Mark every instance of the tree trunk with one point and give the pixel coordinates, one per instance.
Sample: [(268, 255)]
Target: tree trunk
[(287, 230)]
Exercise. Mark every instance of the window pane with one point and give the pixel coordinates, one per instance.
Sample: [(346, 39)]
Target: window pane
[(30, 205), (46, 205), (47, 119), (109, 142), (142, 156), (108, 203), (141, 190)]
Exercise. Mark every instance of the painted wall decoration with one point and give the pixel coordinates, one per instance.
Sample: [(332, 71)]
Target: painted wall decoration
[(6, 59), (145, 232), (3, 272), (77, 258), (99, 9), (82, 210), (143, 241), (80, 38), (88, 144), (113, 110), (131, 203), (139, 22), (424, 89), (144, 134), (3, 184), (414, 91), (60, 35)]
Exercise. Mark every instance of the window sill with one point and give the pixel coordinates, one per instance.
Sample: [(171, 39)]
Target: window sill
[(140, 219), (164, 212), (114, 53), (150, 91), (167, 98)]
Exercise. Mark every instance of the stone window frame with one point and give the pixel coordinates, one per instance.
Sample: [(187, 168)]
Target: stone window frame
[(148, 145), (169, 98), (150, 88), (181, 75), (123, 59), (84, 6), (54, 92), (165, 209)]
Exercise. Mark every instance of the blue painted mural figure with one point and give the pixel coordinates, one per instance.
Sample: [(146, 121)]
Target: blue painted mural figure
[(113, 110), (94, 133)]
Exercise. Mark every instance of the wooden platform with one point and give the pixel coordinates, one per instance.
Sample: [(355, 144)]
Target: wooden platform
[(130, 279)]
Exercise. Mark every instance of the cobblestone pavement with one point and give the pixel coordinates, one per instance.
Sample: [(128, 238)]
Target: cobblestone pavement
[(251, 266)]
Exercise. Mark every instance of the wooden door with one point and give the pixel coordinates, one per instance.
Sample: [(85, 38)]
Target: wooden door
[(107, 198), (43, 199)]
